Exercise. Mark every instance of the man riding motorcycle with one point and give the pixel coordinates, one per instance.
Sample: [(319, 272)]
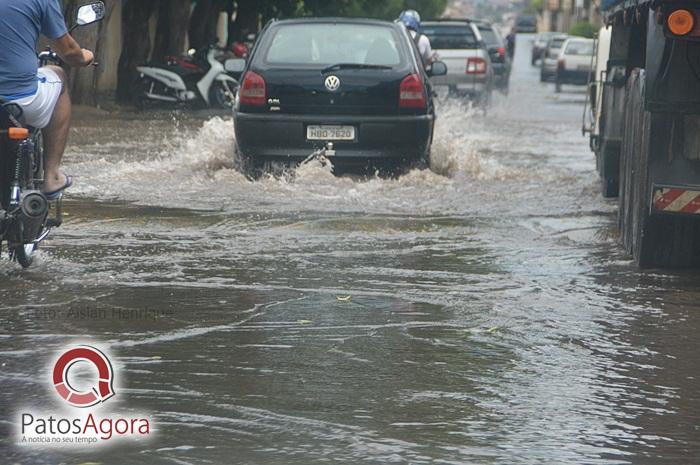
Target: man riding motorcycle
[(42, 93), (411, 19)]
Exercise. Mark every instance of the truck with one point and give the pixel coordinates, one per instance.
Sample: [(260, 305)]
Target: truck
[(646, 126)]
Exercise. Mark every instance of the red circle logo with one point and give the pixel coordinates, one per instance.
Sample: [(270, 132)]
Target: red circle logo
[(97, 394)]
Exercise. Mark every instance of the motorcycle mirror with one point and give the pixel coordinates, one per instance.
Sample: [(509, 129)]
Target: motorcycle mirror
[(90, 13), (234, 65), (191, 52)]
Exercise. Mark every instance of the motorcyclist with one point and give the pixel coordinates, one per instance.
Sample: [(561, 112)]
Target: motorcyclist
[(411, 19), (42, 93)]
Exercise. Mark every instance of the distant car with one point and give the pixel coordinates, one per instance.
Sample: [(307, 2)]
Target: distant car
[(460, 45), (354, 88), (575, 62), (500, 60), (539, 44), (526, 24), (548, 65)]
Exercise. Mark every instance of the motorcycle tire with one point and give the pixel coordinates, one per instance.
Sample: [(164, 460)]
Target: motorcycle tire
[(219, 96)]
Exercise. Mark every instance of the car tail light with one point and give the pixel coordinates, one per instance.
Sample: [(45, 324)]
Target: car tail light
[(412, 93), (476, 65), (253, 90), (681, 22)]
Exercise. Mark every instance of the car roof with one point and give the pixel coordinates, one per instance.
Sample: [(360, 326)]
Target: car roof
[(450, 20), (322, 20)]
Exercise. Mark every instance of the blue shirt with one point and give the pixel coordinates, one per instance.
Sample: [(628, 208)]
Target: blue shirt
[(21, 23)]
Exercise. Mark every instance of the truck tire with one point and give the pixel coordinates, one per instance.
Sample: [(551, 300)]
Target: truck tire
[(609, 169), (653, 241)]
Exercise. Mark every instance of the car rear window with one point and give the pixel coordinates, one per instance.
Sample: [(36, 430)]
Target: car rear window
[(558, 42), (490, 37), (579, 48), (326, 44), (450, 37)]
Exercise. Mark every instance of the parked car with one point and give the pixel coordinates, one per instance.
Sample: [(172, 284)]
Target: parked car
[(548, 65), (460, 45), (526, 24), (501, 62), (539, 45), (575, 62), (355, 89)]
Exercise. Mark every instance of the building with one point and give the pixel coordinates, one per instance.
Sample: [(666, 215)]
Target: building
[(560, 15)]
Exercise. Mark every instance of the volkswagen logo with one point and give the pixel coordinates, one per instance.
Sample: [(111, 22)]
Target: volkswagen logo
[(332, 83)]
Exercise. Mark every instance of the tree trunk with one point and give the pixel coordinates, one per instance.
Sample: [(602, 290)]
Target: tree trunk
[(171, 33), (136, 46)]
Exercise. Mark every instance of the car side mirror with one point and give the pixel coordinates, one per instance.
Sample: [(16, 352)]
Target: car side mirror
[(234, 65), (439, 68), (90, 13)]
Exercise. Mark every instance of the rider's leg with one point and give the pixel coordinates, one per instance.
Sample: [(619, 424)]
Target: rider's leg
[(56, 136)]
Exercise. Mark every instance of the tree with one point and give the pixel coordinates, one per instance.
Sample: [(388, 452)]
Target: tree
[(136, 45)]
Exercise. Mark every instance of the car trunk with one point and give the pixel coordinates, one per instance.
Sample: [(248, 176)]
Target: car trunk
[(456, 61), (361, 92)]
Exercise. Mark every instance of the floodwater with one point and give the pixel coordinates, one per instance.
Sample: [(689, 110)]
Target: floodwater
[(481, 312)]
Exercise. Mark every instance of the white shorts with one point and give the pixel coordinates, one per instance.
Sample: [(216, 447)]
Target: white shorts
[(38, 108)]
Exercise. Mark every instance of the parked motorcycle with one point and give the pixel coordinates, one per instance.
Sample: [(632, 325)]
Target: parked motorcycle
[(203, 79), (24, 209)]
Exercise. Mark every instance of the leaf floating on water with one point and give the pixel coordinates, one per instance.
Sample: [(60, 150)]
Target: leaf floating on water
[(493, 330), (90, 463), (304, 322), (344, 299), (156, 357)]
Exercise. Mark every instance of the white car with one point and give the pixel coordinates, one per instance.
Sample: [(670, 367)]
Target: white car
[(575, 62)]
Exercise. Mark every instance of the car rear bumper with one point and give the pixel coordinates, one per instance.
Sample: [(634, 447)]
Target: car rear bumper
[(377, 137), (461, 83), (573, 77)]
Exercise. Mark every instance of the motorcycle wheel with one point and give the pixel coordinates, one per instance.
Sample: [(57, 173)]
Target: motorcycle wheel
[(24, 254), (219, 96)]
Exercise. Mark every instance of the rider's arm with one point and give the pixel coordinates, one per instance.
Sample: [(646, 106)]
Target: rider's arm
[(70, 52)]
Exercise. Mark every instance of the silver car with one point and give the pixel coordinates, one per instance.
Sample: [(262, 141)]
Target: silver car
[(469, 69), (548, 69)]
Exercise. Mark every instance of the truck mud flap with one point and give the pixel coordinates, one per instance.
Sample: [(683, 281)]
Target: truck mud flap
[(676, 200)]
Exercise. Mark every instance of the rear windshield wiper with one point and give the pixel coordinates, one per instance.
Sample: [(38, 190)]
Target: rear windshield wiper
[(340, 66)]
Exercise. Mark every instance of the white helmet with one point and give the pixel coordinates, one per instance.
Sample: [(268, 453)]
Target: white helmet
[(411, 13)]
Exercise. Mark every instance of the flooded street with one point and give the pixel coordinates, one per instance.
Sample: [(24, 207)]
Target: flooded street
[(480, 312)]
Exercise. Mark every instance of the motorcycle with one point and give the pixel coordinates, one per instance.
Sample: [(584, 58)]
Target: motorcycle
[(24, 209), (200, 78)]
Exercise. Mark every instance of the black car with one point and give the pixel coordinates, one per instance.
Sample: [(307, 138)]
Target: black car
[(526, 24), (355, 87), (500, 60)]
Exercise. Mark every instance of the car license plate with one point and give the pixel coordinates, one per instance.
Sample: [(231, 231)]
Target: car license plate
[(330, 133)]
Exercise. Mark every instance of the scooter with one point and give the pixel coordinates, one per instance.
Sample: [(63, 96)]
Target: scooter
[(24, 208), (188, 81)]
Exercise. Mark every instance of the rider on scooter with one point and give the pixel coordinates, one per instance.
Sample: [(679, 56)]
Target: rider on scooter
[(42, 93)]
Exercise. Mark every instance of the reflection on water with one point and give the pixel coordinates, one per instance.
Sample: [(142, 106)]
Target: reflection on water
[(480, 312)]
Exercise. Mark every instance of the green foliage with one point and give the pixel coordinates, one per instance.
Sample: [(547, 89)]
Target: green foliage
[(583, 29), (534, 6), (385, 9)]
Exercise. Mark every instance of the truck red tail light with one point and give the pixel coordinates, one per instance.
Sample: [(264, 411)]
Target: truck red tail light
[(681, 22), (476, 65), (253, 90), (412, 93)]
